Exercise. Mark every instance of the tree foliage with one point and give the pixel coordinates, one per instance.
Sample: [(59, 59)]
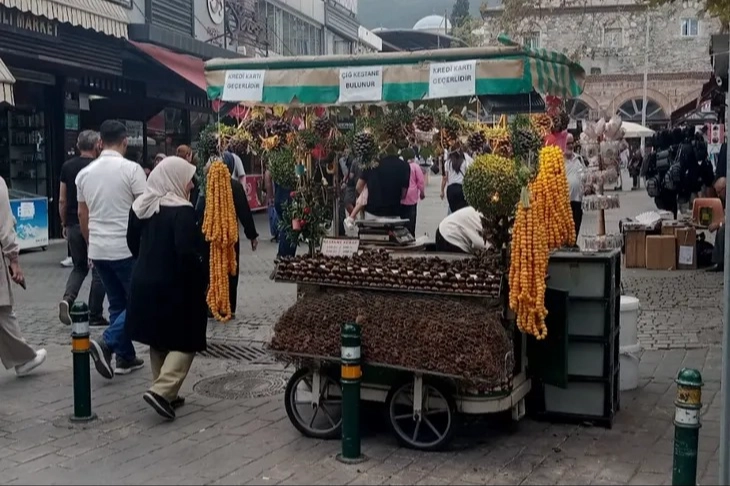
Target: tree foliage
[(465, 32), (460, 13)]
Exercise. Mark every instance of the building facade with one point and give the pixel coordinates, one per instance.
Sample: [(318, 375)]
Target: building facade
[(312, 28), (609, 39)]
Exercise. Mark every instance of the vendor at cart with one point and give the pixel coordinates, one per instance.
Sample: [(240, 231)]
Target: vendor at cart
[(387, 184), (461, 232)]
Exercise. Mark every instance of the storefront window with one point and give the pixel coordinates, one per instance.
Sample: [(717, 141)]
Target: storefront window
[(167, 130), (135, 140), (23, 132)]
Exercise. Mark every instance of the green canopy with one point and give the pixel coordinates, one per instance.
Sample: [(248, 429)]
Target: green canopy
[(394, 77)]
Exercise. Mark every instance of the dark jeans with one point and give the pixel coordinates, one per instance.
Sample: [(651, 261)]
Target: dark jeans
[(233, 279), (445, 246), (718, 251), (117, 278), (410, 213), (577, 209), (455, 197), (79, 255), (281, 197)]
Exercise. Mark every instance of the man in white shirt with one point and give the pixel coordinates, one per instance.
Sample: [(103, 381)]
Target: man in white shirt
[(106, 189), (574, 169), (461, 232)]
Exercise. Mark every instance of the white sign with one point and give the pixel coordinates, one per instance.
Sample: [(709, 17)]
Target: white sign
[(451, 79), (338, 247), (361, 84), (243, 86), (686, 255)]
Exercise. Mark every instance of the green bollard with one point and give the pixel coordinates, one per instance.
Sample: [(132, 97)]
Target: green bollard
[(351, 374), (82, 375), (687, 427)]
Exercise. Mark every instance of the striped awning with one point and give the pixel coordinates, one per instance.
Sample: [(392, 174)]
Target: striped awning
[(315, 80), (7, 80), (97, 15)]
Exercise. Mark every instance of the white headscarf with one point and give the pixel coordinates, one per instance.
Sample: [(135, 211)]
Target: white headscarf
[(166, 186)]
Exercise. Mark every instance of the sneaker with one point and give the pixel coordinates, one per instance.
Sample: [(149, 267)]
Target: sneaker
[(125, 367), (178, 402), (160, 405), (102, 356), (25, 368), (64, 312), (67, 262), (101, 322)]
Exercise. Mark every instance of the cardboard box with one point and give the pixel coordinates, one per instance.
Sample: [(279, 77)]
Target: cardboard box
[(635, 241), (661, 252), (669, 228), (686, 248)]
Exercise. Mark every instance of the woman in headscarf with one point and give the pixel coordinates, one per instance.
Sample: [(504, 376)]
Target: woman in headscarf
[(244, 215), (167, 308)]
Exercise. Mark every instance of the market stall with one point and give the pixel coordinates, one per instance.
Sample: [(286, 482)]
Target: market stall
[(438, 337)]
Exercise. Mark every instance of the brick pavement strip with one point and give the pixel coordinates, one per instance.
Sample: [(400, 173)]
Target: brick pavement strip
[(217, 441)]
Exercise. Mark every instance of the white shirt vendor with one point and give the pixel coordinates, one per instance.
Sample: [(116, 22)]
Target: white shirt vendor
[(461, 232)]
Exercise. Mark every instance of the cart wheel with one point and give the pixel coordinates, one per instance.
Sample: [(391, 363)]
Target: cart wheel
[(44, 248), (433, 430), (321, 421)]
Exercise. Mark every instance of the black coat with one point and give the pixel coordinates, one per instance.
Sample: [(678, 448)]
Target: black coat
[(167, 308)]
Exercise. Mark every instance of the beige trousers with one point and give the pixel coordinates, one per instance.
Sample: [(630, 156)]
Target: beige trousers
[(14, 351), (169, 369)]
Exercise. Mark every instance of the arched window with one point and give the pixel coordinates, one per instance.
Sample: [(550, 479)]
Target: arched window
[(577, 109), (631, 110)]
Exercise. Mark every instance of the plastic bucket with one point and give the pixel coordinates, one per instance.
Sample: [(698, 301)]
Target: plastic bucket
[(629, 321)]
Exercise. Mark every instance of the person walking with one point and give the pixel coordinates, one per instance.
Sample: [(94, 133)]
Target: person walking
[(453, 179), (416, 192), (574, 172), (88, 145), (167, 308), (245, 217), (14, 351), (106, 190)]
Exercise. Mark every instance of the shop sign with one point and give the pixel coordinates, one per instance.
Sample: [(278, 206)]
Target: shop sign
[(31, 23), (244, 86), (216, 11), (361, 84), (452, 79), (71, 121)]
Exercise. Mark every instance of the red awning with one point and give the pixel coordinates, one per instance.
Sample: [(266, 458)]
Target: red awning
[(187, 67)]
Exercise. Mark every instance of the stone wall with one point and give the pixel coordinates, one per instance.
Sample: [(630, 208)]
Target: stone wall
[(582, 34)]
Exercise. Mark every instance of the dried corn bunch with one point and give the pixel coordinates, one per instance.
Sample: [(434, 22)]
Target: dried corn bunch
[(553, 198), (528, 267), (455, 336), (220, 228)]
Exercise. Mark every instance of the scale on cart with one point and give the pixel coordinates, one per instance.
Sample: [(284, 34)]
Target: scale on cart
[(385, 232)]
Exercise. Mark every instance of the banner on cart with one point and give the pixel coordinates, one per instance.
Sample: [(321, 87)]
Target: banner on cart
[(254, 186), (361, 84), (31, 222), (451, 79), (244, 86)]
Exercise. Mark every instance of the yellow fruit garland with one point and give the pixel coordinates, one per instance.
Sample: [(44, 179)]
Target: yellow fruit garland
[(543, 223), (220, 228)]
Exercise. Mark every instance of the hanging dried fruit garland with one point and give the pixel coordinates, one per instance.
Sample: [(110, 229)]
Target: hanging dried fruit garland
[(220, 228)]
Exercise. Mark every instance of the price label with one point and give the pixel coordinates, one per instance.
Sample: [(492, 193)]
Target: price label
[(243, 86), (361, 84), (338, 247), (686, 255), (451, 79)]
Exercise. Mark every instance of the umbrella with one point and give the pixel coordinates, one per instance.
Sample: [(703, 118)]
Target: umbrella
[(636, 130)]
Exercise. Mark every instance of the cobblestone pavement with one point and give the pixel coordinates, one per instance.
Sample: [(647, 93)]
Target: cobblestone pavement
[(249, 440)]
